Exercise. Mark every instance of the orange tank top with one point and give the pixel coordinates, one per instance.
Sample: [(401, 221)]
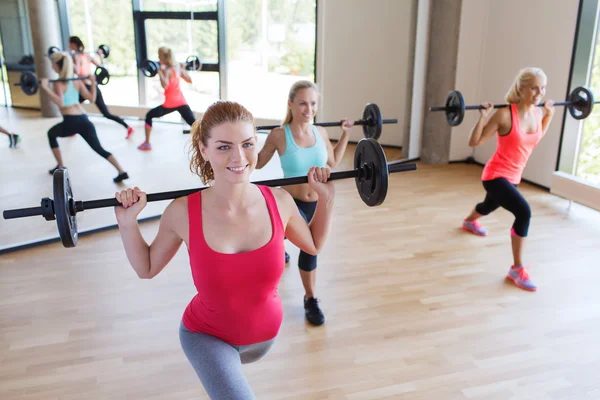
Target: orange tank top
[(173, 96), (513, 150), (84, 64)]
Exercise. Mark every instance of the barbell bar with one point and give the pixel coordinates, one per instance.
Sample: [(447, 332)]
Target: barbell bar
[(580, 104), (371, 171), (150, 68), (371, 122), (103, 48), (29, 82)]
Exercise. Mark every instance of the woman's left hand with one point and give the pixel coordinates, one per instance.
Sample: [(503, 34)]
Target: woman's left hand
[(346, 124), (549, 107)]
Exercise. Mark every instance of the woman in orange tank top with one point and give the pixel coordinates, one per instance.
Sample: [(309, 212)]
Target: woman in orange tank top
[(82, 65), (520, 127), (169, 74)]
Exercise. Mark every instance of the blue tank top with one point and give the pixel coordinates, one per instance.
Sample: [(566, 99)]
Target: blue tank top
[(71, 95), (296, 161)]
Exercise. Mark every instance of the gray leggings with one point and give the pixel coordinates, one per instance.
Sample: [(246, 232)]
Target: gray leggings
[(219, 364)]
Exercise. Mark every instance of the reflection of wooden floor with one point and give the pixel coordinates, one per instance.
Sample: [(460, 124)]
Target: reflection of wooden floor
[(25, 180), (415, 308)]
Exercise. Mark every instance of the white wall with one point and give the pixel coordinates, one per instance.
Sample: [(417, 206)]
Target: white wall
[(365, 52), (497, 38)]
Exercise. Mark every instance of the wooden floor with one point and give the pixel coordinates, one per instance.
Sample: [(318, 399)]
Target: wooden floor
[(415, 308)]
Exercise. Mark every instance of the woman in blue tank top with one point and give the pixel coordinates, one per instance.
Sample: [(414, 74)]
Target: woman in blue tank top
[(301, 145), (66, 96)]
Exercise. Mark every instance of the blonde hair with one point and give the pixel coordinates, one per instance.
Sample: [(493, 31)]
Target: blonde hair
[(167, 53), (65, 64), (296, 87), (524, 76), (216, 114)]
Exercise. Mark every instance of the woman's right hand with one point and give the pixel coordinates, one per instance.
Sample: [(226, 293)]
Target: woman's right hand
[(132, 203), (487, 110)]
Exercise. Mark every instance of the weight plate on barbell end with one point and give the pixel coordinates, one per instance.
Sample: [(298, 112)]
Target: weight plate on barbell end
[(372, 114), (583, 102), (63, 202), (455, 108), (105, 50), (29, 83), (102, 75), (193, 63), (149, 68), (372, 182), (52, 50)]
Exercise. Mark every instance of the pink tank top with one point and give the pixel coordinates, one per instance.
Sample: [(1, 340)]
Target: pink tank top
[(173, 96), (237, 299), (513, 150)]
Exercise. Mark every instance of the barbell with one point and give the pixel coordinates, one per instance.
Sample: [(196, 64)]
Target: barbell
[(29, 82), (150, 68), (371, 171), (372, 122), (580, 104), (103, 48)]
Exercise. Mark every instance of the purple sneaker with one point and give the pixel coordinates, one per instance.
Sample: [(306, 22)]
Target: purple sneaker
[(521, 278), (474, 227)]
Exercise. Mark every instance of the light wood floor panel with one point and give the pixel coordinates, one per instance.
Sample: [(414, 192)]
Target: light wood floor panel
[(416, 308)]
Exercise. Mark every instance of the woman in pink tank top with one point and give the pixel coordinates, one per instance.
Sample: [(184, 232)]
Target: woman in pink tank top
[(169, 73), (234, 233), (519, 129)]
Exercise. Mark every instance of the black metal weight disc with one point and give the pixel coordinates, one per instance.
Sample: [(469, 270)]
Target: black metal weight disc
[(105, 50), (455, 108), (373, 121), (64, 208), (149, 68), (192, 63), (52, 50), (28, 83), (102, 75), (583, 102), (372, 181)]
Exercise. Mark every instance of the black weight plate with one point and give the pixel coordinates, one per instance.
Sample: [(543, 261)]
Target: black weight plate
[(102, 75), (149, 68), (455, 108), (52, 50), (373, 121), (372, 182), (63, 208), (29, 83), (105, 50), (583, 102), (192, 63)]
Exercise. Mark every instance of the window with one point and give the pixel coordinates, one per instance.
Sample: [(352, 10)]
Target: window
[(99, 22), (270, 45), (588, 157), (178, 5), (185, 38), (4, 87)]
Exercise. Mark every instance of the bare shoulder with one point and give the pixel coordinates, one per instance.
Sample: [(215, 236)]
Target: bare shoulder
[(284, 200), (177, 210), (322, 131)]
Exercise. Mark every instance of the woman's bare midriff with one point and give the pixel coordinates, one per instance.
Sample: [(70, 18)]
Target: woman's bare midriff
[(302, 192)]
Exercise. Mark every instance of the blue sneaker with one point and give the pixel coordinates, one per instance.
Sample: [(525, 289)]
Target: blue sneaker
[(521, 278), (474, 227)]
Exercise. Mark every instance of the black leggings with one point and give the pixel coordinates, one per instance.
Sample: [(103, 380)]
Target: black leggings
[(102, 106), (306, 262), (500, 192), (185, 111), (72, 125)]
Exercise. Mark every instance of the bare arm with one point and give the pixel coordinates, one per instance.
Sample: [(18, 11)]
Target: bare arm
[(55, 94), (484, 129), (148, 260), (83, 90), (185, 76), (310, 237), (336, 153), (164, 77), (549, 107), (268, 150)]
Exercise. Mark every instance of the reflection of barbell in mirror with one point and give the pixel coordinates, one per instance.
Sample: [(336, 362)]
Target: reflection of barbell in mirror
[(29, 82), (580, 105), (150, 68)]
